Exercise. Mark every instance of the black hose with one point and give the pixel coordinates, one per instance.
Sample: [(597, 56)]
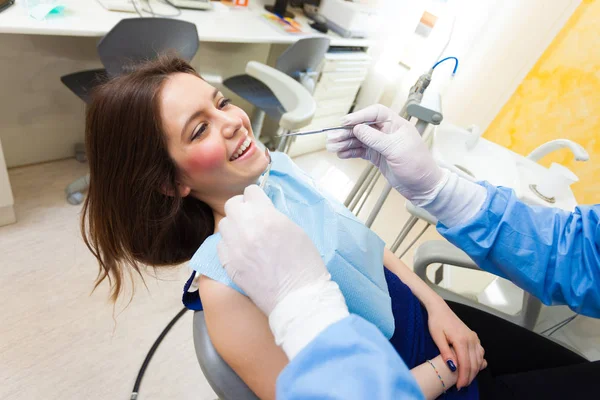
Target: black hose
[(159, 339)]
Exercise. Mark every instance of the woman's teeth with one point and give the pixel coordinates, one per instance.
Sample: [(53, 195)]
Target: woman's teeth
[(242, 149)]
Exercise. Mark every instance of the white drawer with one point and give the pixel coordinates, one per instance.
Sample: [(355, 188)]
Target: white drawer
[(343, 76), (325, 122), (348, 92), (333, 107), (346, 66)]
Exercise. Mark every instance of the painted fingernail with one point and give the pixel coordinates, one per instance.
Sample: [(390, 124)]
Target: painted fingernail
[(451, 365)]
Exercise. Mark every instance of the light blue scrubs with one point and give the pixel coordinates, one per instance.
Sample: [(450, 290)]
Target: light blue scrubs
[(551, 253), (350, 360)]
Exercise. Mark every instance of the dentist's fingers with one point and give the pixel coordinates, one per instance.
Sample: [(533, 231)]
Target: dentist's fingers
[(225, 258), (232, 204), (359, 152), (339, 135), (373, 113), (334, 147), (228, 231), (372, 138), (255, 195)]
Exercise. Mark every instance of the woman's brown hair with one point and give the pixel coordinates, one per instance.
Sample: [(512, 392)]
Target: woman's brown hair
[(127, 219)]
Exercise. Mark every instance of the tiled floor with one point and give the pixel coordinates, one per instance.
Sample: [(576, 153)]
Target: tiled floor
[(58, 341)]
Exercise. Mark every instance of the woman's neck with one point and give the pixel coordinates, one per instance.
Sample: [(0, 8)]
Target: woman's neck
[(217, 204)]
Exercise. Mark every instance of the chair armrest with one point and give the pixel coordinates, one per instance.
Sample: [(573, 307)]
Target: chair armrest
[(439, 251), (578, 151), (297, 101)]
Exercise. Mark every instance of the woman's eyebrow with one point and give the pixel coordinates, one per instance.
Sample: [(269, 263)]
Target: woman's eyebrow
[(196, 115)]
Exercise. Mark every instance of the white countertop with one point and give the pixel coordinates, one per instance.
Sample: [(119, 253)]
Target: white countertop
[(224, 24)]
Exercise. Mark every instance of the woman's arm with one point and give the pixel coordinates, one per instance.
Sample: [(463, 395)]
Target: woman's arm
[(445, 327), (424, 293), (428, 380), (241, 335)]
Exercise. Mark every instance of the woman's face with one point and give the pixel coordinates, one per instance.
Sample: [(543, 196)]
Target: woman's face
[(209, 139)]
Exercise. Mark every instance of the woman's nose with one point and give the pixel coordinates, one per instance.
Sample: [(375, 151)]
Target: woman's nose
[(230, 125)]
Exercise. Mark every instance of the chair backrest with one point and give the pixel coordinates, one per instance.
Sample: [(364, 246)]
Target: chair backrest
[(81, 83), (300, 106), (137, 39), (222, 379), (304, 55)]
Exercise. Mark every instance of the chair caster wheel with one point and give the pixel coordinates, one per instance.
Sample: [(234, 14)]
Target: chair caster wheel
[(75, 198), (81, 157), (80, 153)]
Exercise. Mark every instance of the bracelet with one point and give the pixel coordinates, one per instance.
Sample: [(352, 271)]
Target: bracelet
[(438, 374)]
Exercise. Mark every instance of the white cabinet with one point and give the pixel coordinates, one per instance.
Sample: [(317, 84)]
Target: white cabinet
[(341, 75)]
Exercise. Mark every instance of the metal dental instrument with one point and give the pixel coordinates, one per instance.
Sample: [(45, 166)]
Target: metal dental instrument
[(262, 180), (331, 129)]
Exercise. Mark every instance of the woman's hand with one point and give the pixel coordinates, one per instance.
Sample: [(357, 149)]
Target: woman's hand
[(450, 333)]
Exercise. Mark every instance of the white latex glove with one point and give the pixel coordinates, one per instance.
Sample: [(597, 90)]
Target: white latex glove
[(395, 147), (275, 262)]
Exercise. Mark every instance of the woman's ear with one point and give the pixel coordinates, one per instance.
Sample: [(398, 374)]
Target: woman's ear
[(183, 190)]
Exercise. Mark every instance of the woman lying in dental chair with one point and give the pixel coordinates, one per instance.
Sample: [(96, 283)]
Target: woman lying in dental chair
[(167, 150)]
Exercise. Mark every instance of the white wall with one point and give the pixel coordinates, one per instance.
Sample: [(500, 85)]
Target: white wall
[(497, 43), (513, 39)]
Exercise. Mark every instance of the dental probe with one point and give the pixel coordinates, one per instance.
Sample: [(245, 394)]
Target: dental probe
[(331, 129)]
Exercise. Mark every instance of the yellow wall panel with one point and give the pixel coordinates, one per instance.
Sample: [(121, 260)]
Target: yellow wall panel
[(560, 98)]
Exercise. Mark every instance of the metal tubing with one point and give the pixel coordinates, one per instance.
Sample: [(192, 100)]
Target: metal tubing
[(382, 198), (365, 197), (362, 190), (404, 232), (358, 184), (421, 126)]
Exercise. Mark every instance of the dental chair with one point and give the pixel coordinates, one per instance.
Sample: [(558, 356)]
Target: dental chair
[(222, 379), (301, 62), (300, 108), (129, 41)]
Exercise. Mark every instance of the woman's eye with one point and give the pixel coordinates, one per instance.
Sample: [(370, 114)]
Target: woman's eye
[(224, 103), (199, 131)]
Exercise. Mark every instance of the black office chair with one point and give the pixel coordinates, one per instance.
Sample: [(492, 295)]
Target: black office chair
[(128, 42), (300, 61)]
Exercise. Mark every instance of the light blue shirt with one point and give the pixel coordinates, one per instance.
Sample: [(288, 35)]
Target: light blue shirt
[(350, 360), (551, 253)]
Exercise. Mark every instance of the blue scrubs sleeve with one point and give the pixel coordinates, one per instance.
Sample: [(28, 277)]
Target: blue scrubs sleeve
[(350, 360), (549, 252)]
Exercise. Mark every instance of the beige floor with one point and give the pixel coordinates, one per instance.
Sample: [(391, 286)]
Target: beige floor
[(58, 341)]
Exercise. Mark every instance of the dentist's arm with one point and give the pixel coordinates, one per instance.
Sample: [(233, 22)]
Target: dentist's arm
[(332, 354), (551, 253)]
